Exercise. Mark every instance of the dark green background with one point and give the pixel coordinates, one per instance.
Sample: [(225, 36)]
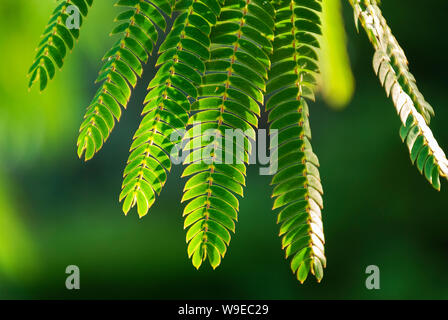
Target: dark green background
[(58, 211)]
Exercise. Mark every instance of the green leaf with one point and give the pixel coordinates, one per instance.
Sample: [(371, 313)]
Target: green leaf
[(57, 38), (167, 104), (391, 66), (298, 190), (123, 64)]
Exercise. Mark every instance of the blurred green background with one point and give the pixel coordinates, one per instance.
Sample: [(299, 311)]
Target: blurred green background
[(56, 210)]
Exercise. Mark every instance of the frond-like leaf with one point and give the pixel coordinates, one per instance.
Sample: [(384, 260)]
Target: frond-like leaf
[(232, 89), (298, 190), (391, 67), (167, 105), (381, 37), (123, 65), (58, 38)]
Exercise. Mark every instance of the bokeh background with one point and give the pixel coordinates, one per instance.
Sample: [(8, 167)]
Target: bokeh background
[(56, 211)]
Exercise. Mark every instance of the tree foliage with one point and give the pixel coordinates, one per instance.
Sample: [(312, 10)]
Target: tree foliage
[(57, 39), (219, 63), (391, 66)]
